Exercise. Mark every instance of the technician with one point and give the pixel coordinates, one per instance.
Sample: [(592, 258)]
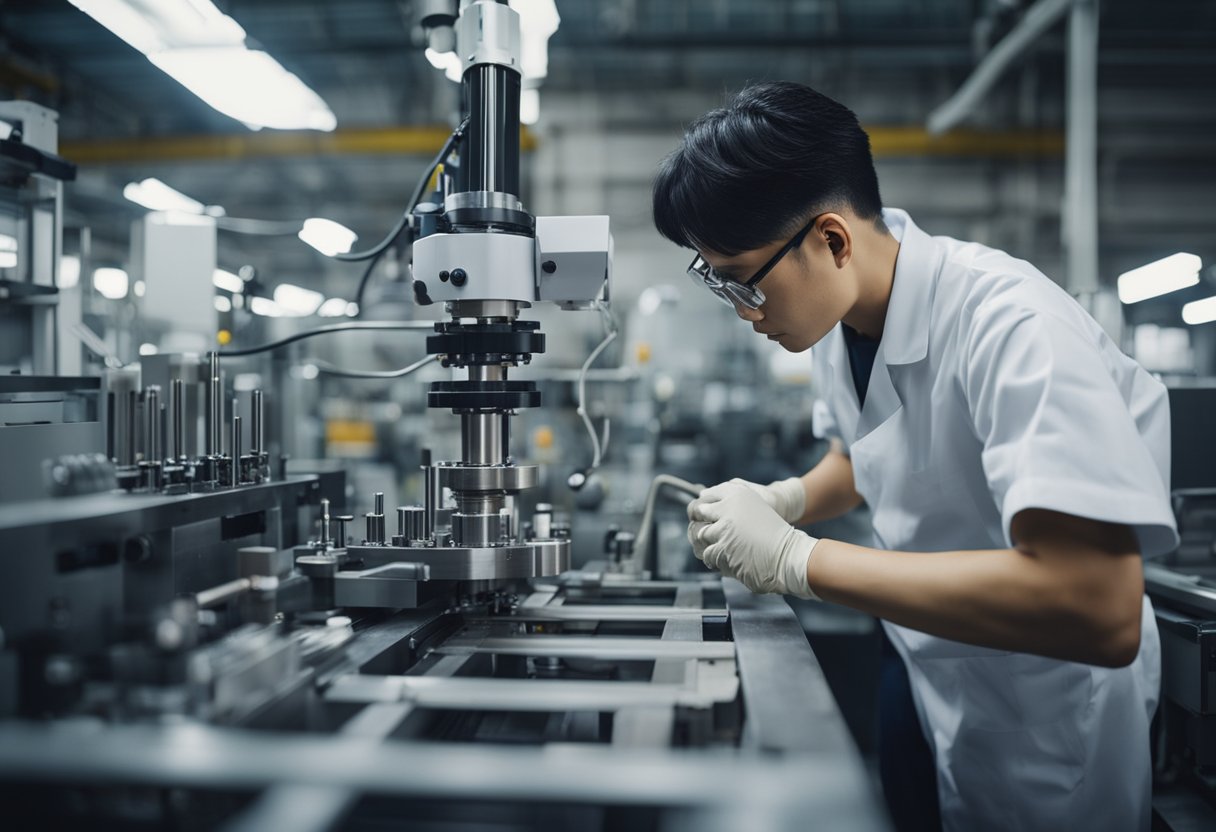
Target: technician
[(1014, 460)]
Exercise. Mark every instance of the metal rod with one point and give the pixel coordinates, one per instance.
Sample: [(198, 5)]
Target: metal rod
[(217, 595), (1080, 218), (152, 423), (209, 411), (236, 450), (432, 493), (217, 406), (132, 407), (325, 523), (177, 398), (255, 434), (493, 94), (111, 427), (481, 438)]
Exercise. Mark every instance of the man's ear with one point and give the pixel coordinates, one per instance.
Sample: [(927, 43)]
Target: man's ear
[(834, 231)]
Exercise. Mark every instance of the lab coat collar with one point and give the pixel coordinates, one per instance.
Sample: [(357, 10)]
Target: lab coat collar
[(905, 334)]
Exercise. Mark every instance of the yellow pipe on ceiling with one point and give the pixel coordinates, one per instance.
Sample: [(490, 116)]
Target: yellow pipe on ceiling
[(395, 141), (889, 142), (886, 142)]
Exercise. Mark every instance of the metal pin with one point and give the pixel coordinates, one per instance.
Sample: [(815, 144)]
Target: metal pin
[(325, 523), (152, 423), (132, 400), (255, 433), (177, 400), (432, 494), (378, 514), (236, 450), (209, 411), (111, 427), (217, 405)]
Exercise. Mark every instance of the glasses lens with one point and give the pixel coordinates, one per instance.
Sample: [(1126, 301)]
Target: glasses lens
[(730, 292)]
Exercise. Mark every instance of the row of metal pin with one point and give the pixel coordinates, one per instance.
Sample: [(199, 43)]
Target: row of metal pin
[(158, 416)]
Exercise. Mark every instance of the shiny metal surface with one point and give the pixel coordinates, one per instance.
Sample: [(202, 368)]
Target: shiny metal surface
[(488, 477), (484, 309), (455, 563), (482, 440), (481, 199), (477, 529)]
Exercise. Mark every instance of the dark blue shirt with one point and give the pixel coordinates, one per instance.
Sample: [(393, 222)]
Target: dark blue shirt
[(862, 351)]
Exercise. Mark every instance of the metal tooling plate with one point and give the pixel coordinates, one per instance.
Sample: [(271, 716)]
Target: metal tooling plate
[(789, 705), (1179, 590), (591, 612), (771, 793), (151, 511), (477, 694), (474, 564), (618, 649)]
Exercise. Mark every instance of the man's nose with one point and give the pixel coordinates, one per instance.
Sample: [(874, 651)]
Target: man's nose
[(748, 314)]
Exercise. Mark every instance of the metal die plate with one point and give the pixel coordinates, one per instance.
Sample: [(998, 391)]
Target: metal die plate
[(533, 560)]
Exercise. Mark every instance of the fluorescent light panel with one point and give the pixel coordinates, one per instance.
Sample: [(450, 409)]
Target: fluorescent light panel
[(111, 283), (227, 281), (327, 236), (265, 307), (204, 50), (333, 308), (296, 300), (247, 85), (1200, 311), (1178, 271), (157, 196)]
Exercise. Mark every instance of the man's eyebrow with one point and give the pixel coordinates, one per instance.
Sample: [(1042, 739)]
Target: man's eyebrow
[(733, 272)]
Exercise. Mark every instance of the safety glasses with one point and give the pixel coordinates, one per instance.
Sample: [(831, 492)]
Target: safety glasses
[(745, 294)]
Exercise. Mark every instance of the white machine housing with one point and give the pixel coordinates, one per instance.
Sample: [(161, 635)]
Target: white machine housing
[(568, 263)]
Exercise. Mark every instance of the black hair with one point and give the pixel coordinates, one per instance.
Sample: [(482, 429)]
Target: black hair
[(758, 169)]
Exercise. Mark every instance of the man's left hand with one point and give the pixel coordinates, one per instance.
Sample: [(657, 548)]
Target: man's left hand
[(734, 530)]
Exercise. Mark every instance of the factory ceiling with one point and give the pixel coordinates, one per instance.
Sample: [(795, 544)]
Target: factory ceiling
[(364, 57)]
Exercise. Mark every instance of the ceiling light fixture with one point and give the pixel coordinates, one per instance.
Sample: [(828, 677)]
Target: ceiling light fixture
[(111, 283), (1169, 274), (296, 300), (1200, 311), (327, 236), (204, 50), (227, 281)]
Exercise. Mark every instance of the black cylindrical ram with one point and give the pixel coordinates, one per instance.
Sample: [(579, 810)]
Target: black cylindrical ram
[(491, 160)]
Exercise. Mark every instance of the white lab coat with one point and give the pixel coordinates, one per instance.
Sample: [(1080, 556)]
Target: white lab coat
[(993, 391)]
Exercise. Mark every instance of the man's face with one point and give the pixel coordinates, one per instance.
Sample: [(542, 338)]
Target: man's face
[(806, 293)]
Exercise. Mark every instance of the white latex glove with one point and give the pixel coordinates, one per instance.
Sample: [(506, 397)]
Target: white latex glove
[(742, 537), (786, 497)]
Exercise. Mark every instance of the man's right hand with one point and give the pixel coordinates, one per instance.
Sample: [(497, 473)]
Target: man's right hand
[(786, 497)]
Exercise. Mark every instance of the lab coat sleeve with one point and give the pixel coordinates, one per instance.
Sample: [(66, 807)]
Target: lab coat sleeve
[(1056, 431)]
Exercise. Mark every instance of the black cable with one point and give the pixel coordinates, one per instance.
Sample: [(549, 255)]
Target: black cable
[(325, 330), (330, 369), (363, 281), (378, 249)]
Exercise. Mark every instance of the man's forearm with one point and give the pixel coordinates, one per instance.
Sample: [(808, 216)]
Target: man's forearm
[(829, 488), (1006, 599)]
